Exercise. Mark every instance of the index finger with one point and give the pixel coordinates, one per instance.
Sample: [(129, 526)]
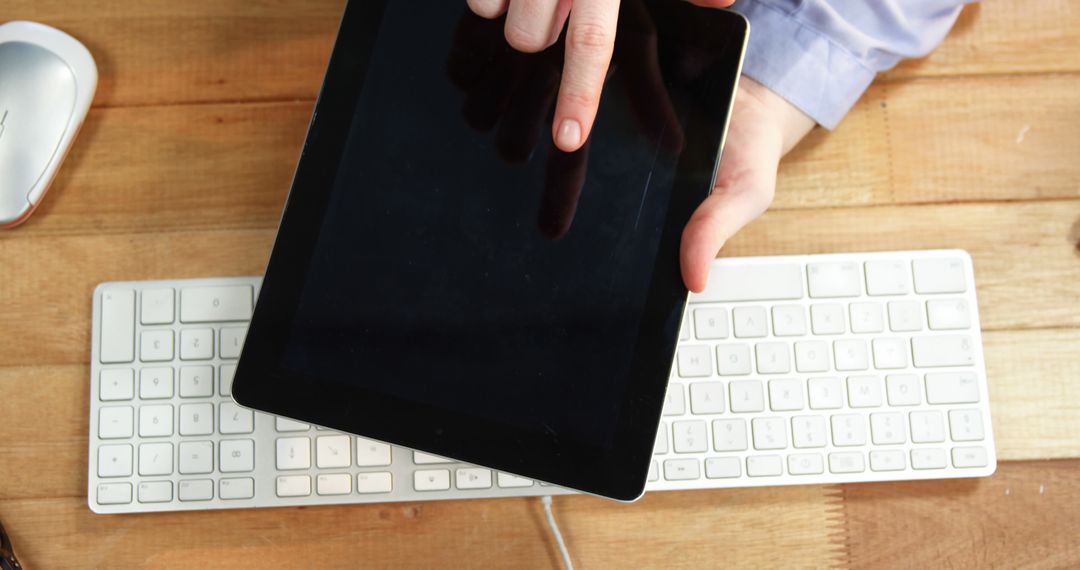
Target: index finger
[(590, 39)]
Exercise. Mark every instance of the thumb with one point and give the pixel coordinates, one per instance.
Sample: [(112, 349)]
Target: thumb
[(731, 206)]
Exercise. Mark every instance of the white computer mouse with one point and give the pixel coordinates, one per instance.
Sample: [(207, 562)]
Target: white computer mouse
[(47, 80)]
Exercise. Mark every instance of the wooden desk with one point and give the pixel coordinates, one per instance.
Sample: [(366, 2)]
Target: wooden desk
[(184, 163)]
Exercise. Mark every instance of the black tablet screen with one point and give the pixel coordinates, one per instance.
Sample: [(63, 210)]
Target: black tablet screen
[(465, 263)]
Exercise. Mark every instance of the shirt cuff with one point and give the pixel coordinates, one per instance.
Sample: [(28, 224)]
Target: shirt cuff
[(802, 65)]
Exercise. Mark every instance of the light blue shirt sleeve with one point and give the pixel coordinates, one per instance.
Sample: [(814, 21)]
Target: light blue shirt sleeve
[(821, 55)]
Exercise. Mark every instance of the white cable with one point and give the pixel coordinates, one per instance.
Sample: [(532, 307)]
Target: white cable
[(554, 526)]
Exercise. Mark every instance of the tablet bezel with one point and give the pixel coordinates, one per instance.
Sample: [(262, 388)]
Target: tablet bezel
[(618, 472)]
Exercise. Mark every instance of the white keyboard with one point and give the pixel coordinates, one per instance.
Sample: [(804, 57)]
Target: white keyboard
[(795, 369)]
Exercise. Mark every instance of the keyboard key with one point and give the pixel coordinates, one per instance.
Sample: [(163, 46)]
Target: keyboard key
[(232, 341), (196, 344), (156, 459), (887, 461), (371, 453), (232, 419), (887, 428), (866, 318), (864, 391), (156, 421), (654, 472), (155, 491), (825, 393), (114, 461), (197, 419), (117, 341), (890, 353), (156, 383), (729, 435), (723, 467), (421, 458), (769, 433), (942, 350), (508, 481), (113, 493), (927, 427), (952, 388), (695, 361), (333, 484), (431, 480), (808, 432), (293, 486), (948, 314), (235, 488), (733, 359), (196, 457), (690, 436), (675, 400), (751, 282), (333, 451), (707, 397), (157, 308), (684, 328), (827, 319), (811, 356), (847, 462), (889, 277), (747, 396), (156, 346), (773, 358), (215, 304), (764, 465), (806, 464), (785, 395), (939, 276), (789, 320), (711, 324), (829, 280), (116, 384), (287, 425), (966, 425), (851, 355), (928, 459), (750, 322), (369, 483), (660, 446), (196, 381), (472, 478), (848, 430), (116, 422), (237, 455), (967, 457), (293, 453), (682, 469), (226, 374), (905, 316), (903, 390)]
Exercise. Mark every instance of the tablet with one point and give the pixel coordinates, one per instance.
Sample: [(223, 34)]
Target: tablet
[(446, 280)]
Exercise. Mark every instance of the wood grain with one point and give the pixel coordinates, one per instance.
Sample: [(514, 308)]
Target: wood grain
[(671, 530), (1025, 516)]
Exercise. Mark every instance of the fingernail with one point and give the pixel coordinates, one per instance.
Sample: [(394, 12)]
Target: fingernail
[(569, 136)]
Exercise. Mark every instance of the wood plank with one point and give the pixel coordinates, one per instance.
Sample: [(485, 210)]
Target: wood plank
[(156, 51), (1035, 412), (230, 166), (676, 530), (1023, 516), (1037, 36), (46, 297)]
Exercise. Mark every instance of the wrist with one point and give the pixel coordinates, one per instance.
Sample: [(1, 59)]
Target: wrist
[(790, 123)]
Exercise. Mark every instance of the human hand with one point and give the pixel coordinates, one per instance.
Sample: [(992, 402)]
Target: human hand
[(534, 25), (764, 127)]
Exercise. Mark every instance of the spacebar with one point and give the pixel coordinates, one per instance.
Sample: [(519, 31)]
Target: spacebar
[(757, 282)]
